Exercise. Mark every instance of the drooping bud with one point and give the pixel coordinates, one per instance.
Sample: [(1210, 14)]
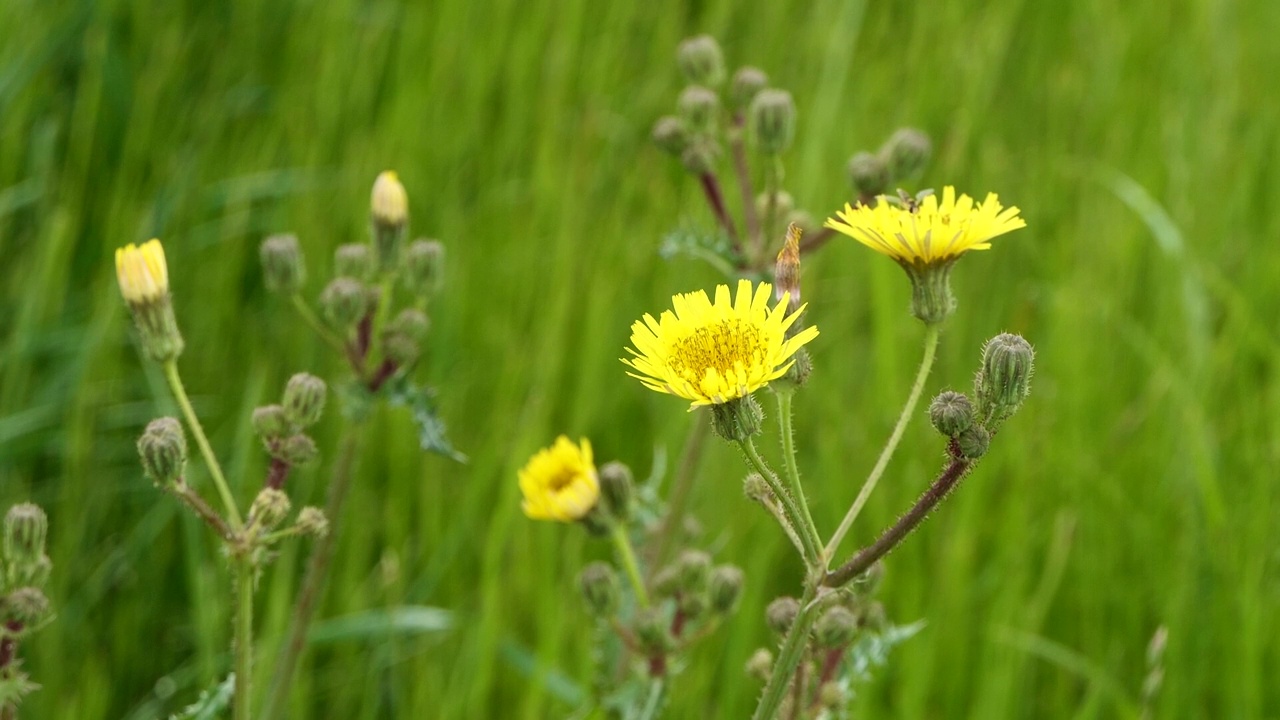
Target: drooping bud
[(836, 627), (143, 276), (25, 530), (773, 120), (973, 442), (747, 83), (786, 273), (296, 450), (1008, 362), (868, 175), (701, 61), (737, 419), (906, 153), (951, 413), (760, 665), (344, 302), (781, 613), (269, 509), (701, 155), (653, 632), (424, 267), (312, 521), (303, 401), (617, 490), (271, 422), (599, 585), (25, 606), (389, 213), (670, 135), (163, 450), (699, 107), (282, 264), (725, 588), (354, 260)]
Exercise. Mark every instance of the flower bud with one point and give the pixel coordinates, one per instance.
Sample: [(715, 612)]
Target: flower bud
[(747, 82), (666, 583), (296, 450), (1008, 362), (932, 301), (701, 155), (344, 302), (802, 367), (670, 135), (695, 571), (773, 120), (617, 489), (874, 617), (653, 632), (354, 260), (951, 413), (143, 276), (271, 422), (699, 107), (312, 521), (389, 212), (836, 627), (781, 613), (725, 588), (832, 695), (973, 442), (701, 61), (760, 665), (869, 175), (25, 606), (599, 585), (786, 273), (424, 267), (783, 203), (163, 451), (737, 419), (25, 529), (906, 153), (282, 264), (400, 348), (412, 323), (269, 509), (756, 489), (303, 401)]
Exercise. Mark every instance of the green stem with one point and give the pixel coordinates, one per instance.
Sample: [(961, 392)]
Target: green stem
[(309, 316), (628, 558), (808, 538), (244, 639), (789, 657), (681, 484), (193, 422), (653, 705), (926, 364), (789, 464)]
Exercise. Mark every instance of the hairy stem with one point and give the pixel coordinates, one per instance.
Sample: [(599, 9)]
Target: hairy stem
[(243, 643), (192, 499), (789, 657), (715, 198), (193, 422), (789, 464), (808, 538), (309, 317), (750, 218)]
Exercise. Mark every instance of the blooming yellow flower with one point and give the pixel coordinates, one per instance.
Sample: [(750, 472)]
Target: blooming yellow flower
[(933, 232), (142, 272), (388, 202), (560, 482), (713, 353)]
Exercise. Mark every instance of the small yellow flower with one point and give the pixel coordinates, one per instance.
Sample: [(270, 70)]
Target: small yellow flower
[(142, 272), (709, 353), (560, 482), (389, 203), (931, 233)]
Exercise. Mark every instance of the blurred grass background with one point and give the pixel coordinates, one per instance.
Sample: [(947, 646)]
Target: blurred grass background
[(1137, 488)]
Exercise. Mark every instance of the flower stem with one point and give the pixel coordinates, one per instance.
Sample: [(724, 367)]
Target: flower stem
[(653, 705), (193, 422), (244, 638), (751, 219), (309, 316), (628, 558), (789, 657), (926, 364), (715, 198), (681, 484), (192, 499), (808, 538), (789, 464)]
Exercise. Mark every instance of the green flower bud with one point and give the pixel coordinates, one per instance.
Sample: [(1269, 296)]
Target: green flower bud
[(773, 120), (725, 588), (296, 450), (699, 107), (412, 323), (701, 155), (951, 413), (400, 348), (353, 260), (832, 695), (269, 509), (836, 627), (973, 442), (695, 571), (312, 521), (163, 450), (344, 302), (666, 583), (781, 613), (617, 489), (760, 665), (693, 605), (26, 606), (599, 585), (25, 529), (671, 135), (282, 264), (271, 422), (303, 401), (737, 419), (424, 267), (869, 175), (1008, 362), (906, 153), (932, 301), (701, 61), (747, 83), (653, 632)]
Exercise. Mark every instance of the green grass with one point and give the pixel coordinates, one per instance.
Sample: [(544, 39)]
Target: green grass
[(1137, 488)]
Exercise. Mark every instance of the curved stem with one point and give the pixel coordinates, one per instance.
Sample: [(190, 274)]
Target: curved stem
[(807, 537), (789, 657), (309, 316), (926, 364), (793, 472), (628, 558), (193, 422), (244, 639)]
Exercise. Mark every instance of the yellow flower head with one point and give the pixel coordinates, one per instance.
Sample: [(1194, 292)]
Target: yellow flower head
[(142, 272), (933, 232), (389, 203), (560, 482), (713, 353)]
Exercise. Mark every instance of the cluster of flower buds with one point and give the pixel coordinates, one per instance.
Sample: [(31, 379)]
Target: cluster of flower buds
[(900, 161), (24, 608), (999, 389), (282, 427)]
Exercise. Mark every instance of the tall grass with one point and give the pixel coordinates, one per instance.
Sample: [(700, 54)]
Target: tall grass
[(1137, 488)]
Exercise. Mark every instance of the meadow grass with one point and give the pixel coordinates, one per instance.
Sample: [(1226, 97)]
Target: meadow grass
[(1136, 488)]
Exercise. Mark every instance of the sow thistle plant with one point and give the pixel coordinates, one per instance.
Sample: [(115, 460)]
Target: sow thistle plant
[(24, 608)]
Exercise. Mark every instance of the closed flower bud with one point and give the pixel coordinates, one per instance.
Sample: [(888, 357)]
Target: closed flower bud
[(868, 175), (747, 82), (617, 489), (755, 488), (951, 413), (800, 371), (653, 632), (389, 212), (773, 120), (354, 260), (413, 323), (344, 302), (400, 348), (25, 530), (282, 264), (737, 419), (973, 442), (906, 154), (163, 451), (670, 135), (786, 273), (781, 613), (25, 606), (271, 422), (666, 583), (695, 571), (303, 401), (832, 695), (836, 627), (699, 107), (783, 203), (760, 665), (599, 585), (143, 276), (296, 450), (424, 267), (701, 61), (1008, 362), (269, 509), (701, 155), (312, 521), (725, 588)]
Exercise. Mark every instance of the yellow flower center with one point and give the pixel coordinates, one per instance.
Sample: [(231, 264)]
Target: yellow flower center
[(721, 346)]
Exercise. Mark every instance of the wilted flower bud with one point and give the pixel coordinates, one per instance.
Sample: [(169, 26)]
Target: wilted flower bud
[(282, 264), (653, 632), (836, 627), (25, 606), (701, 155), (303, 401), (1008, 362), (951, 413), (747, 82), (354, 260), (599, 585), (786, 273), (725, 588), (163, 450), (344, 302), (781, 613), (670, 135), (424, 267), (25, 529), (269, 509), (271, 422), (617, 489), (973, 442), (773, 120), (701, 61), (906, 153), (868, 174), (389, 212), (312, 521), (760, 665), (413, 323), (296, 450), (737, 419), (699, 107), (143, 276)]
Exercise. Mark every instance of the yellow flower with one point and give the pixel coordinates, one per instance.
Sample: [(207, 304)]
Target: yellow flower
[(560, 482), (142, 272), (389, 203), (713, 353), (931, 233)]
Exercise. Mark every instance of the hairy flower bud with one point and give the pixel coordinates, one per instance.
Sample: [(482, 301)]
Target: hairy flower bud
[(389, 213), (269, 509), (760, 665), (951, 413), (1008, 362), (671, 135), (973, 442), (271, 422), (653, 632), (868, 175), (412, 323), (701, 155), (695, 571), (400, 348), (906, 153), (25, 529), (737, 419), (424, 267), (344, 302), (312, 521), (354, 260), (699, 107), (25, 606), (282, 263), (296, 450), (836, 627), (747, 83), (781, 613), (701, 61), (163, 450), (773, 120), (725, 588), (599, 585), (303, 401), (666, 582), (617, 489), (143, 276)]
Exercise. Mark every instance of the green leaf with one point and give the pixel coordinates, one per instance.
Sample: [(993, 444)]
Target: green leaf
[(713, 247), (209, 705), (382, 624), (421, 402)]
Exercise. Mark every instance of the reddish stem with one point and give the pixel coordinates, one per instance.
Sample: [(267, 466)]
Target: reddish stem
[(277, 473), (711, 187), (383, 374)]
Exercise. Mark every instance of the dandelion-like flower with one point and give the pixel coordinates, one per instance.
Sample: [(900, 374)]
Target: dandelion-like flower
[(560, 482), (713, 353), (388, 201), (144, 283)]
